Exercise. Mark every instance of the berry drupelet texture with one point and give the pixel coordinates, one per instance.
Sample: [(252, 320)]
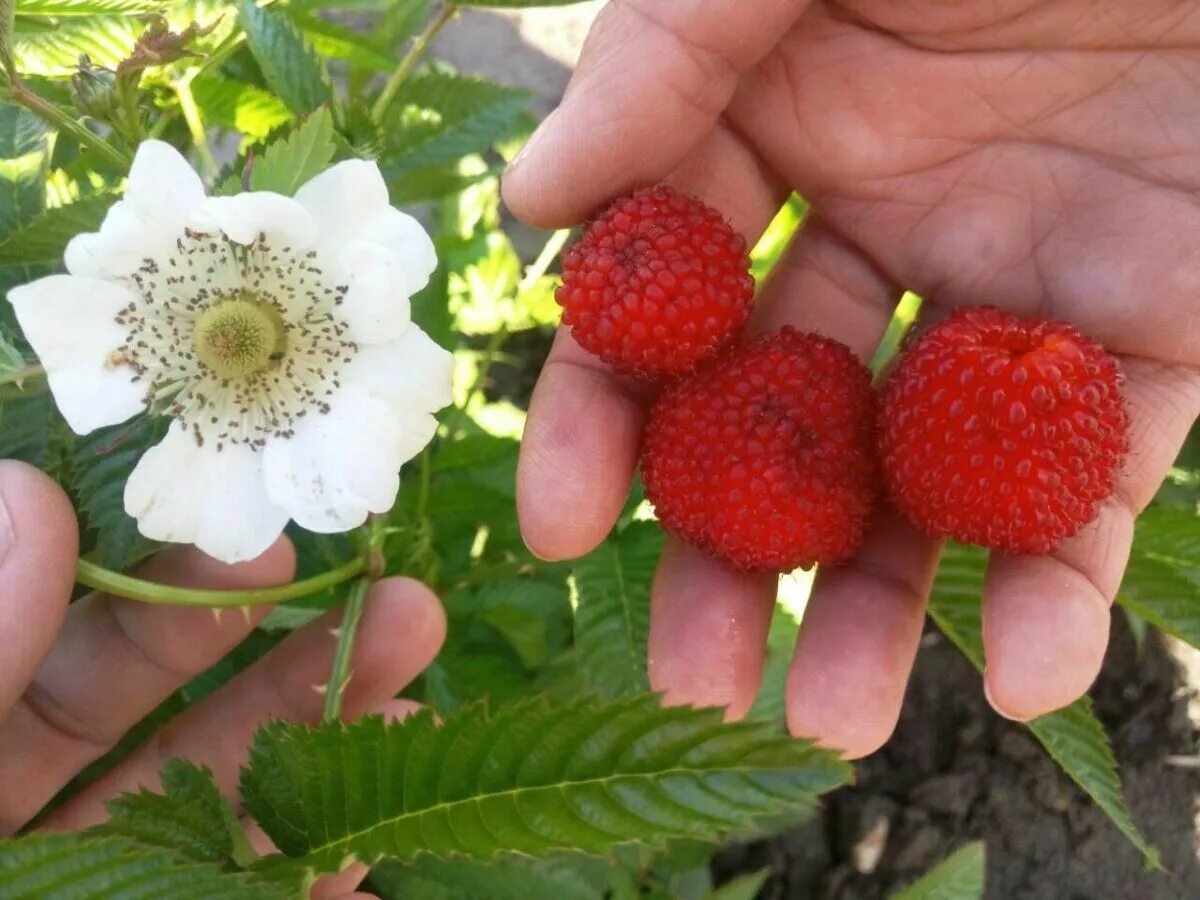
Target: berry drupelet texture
[(1003, 432), (765, 457), (657, 283)]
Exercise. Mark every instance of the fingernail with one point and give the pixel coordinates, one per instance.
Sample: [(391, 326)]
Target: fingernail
[(530, 145), (8, 536)]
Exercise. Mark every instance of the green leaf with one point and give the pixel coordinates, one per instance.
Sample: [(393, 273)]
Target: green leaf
[(337, 41), (239, 106), (770, 702), (439, 116), (958, 877), (83, 867), (744, 887), (11, 359), (1073, 736), (52, 47), (290, 66), (612, 615), (399, 22), (87, 7), (190, 817), (1162, 580), (25, 426), (534, 778), (43, 241), (294, 159), (24, 162), (104, 460), (562, 876)]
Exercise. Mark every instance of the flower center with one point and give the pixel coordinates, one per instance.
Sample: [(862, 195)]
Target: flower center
[(239, 337)]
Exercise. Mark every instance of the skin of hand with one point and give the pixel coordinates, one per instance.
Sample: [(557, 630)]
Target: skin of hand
[(1038, 155), (74, 677)]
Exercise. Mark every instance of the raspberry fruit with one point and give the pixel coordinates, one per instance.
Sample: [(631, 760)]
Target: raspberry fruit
[(765, 456), (657, 283), (1002, 432)]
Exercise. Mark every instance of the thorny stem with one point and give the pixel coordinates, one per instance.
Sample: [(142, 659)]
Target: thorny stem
[(374, 533), (409, 61), (102, 579), (62, 120), (347, 632), (195, 124)]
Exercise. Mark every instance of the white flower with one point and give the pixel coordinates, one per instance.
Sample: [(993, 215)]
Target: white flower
[(274, 332)]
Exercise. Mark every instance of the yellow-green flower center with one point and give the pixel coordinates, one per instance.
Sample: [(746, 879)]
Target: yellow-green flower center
[(239, 337)]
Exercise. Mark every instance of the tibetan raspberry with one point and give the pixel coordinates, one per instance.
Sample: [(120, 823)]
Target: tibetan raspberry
[(1002, 432), (764, 457), (657, 283)]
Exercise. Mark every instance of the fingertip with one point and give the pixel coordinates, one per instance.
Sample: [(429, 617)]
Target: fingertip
[(708, 630), (1045, 630), (40, 518), (403, 610)]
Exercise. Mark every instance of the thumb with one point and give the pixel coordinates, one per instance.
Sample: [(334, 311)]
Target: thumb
[(651, 83)]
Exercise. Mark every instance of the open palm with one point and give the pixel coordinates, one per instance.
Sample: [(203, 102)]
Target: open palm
[(1039, 156)]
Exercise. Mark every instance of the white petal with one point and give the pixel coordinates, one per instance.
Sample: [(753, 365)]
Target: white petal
[(162, 192), (189, 493), (383, 255), (338, 467), (162, 187), (243, 217), (376, 308), (411, 374), (344, 198), (71, 324)]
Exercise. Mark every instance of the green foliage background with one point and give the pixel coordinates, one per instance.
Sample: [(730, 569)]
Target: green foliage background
[(551, 772)]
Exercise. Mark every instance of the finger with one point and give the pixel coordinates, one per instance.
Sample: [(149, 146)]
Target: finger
[(863, 622), (400, 633), (336, 885), (858, 640), (652, 81), (113, 662), (38, 546), (1046, 619), (581, 438), (708, 628)]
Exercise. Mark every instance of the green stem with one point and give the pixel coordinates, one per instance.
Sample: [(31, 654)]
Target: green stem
[(102, 579), (347, 632), (63, 121), (195, 124), (409, 61)]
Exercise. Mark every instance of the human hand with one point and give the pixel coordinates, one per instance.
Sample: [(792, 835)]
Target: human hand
[(74, 678), (1043, 157)]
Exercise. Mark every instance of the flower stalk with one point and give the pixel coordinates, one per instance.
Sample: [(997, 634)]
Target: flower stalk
[(409, 61), (102, 579), (64, 122)]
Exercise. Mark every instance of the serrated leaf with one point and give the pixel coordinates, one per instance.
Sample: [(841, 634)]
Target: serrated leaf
[(24, 163), (291, 67), (534, 778), (83, 867), (1073, 736), (333, 40), (562, 876), (87, 7), (239, 106), (104, 460), (1162, 579), (612, 615), (958, 877), (25, 426), (52, 47), (292, 160), (189, 817), (11, 360), (439, 116), (43, 241)]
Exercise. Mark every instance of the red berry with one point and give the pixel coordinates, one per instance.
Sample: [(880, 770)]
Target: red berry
[(765, 457), (1003, 432), (657, 283)]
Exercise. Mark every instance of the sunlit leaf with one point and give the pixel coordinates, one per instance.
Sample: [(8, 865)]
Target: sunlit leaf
[(958, 877)]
